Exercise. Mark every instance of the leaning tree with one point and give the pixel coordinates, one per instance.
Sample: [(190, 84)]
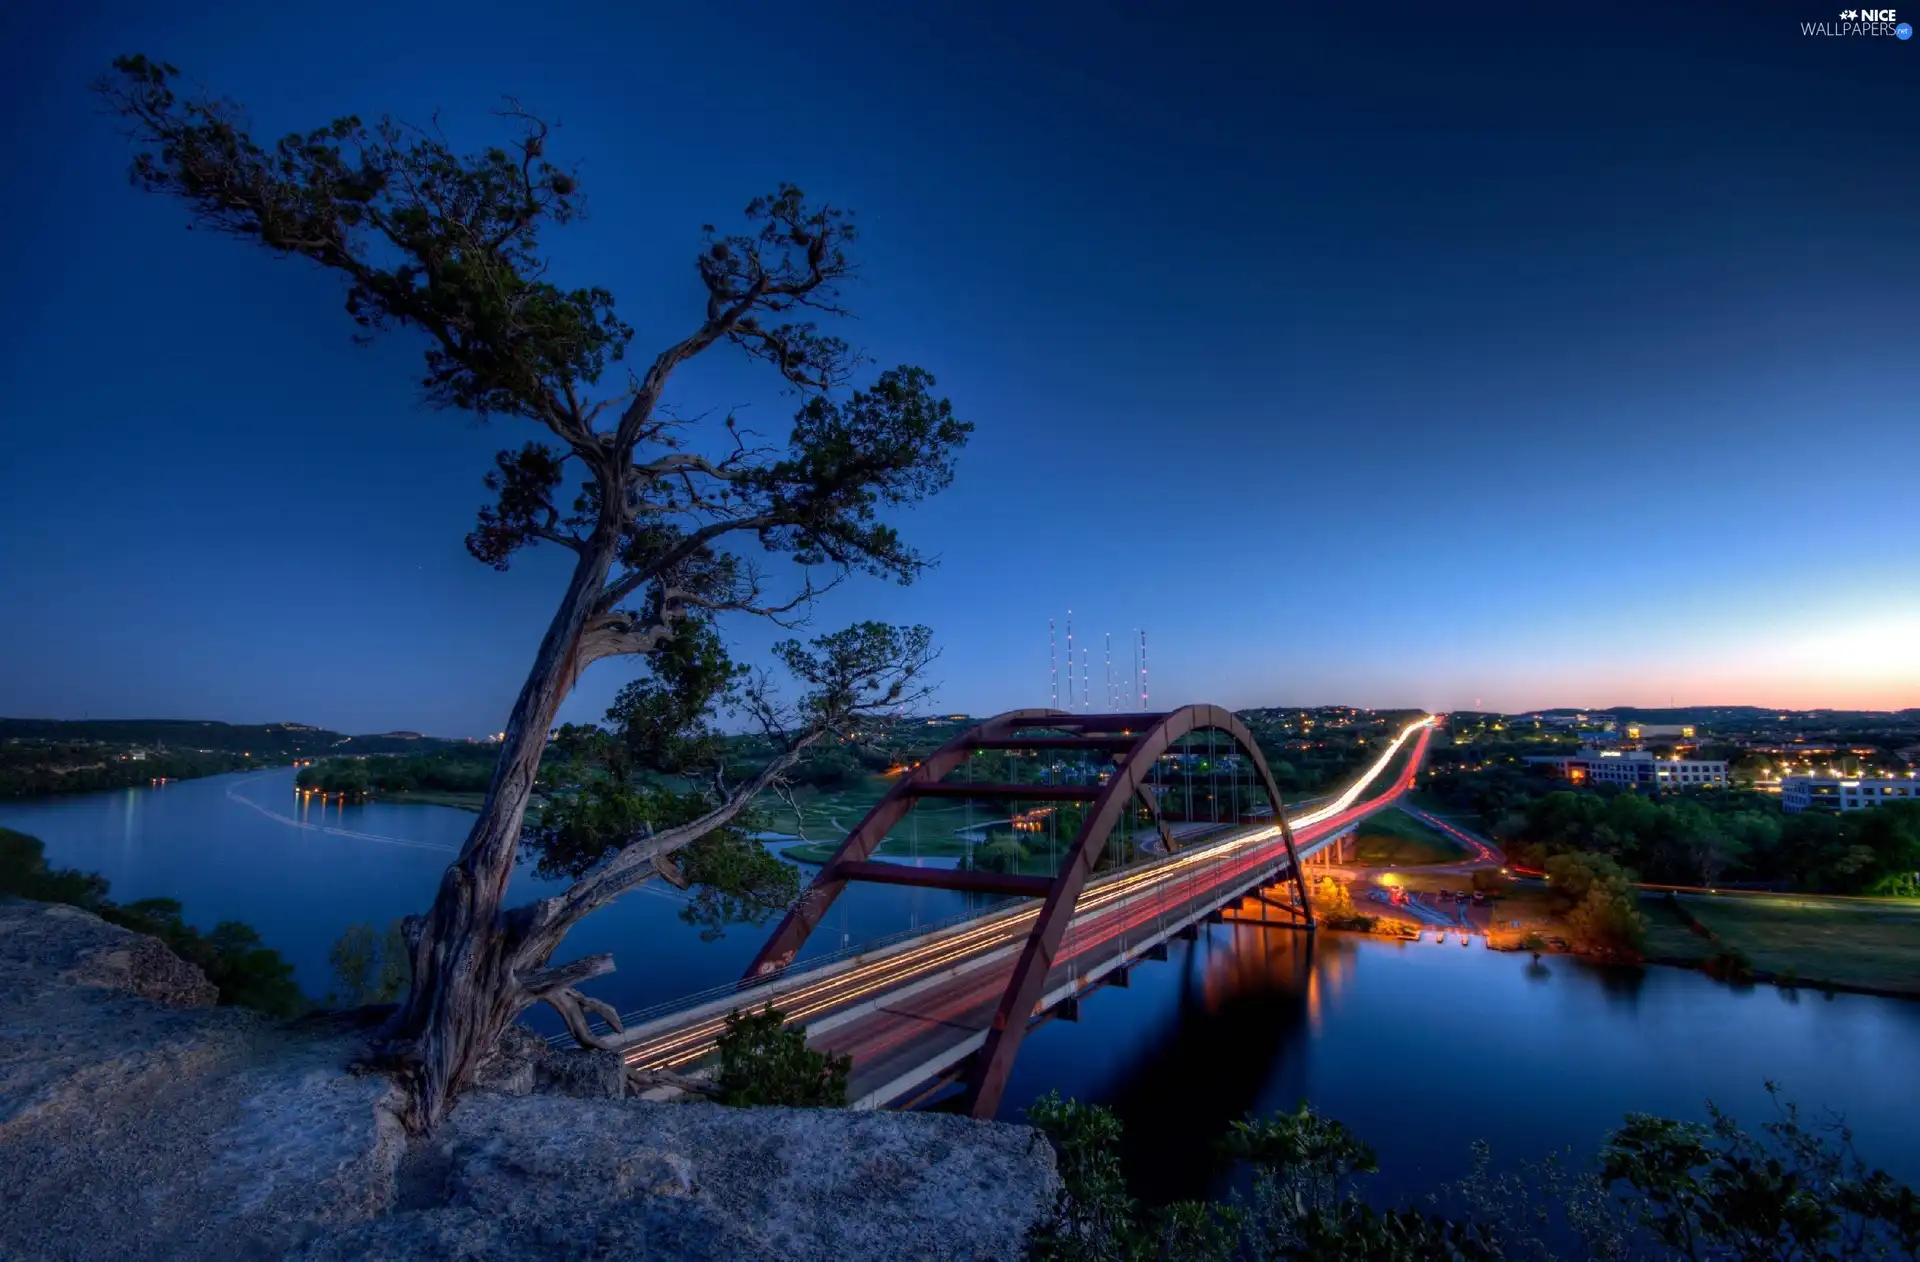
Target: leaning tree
[(448, 245)]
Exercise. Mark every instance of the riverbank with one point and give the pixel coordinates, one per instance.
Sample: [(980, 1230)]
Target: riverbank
[(1807, 942), (1789, 942)]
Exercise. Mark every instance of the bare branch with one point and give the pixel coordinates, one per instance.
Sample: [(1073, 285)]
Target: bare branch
[(634, 862), (542, 981), (573, 1007)]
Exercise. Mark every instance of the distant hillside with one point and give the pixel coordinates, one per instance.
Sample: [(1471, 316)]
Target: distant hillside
[(261, 740), (1727, 713)]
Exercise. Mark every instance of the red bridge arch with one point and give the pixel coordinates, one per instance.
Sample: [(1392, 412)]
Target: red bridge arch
[(1135, 742)]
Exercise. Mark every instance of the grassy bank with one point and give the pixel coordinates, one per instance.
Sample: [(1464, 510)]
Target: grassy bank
[(946, 847), (1393, 838), (1807, 941)]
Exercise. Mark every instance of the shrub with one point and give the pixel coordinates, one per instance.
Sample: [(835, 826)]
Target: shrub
[(764, 1063), (1659, 1188), (368, 967), (1599, 903), (1729, 964)]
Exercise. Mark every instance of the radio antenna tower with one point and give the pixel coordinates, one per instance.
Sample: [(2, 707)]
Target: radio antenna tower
[(1086, 683), (1109, 672), (1053, 664), (1069, 659)]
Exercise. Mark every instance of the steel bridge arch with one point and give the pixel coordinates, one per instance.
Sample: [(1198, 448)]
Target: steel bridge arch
[(1136, 741)]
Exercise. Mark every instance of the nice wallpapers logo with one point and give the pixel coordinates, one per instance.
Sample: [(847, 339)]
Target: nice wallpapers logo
[(1862, 22)]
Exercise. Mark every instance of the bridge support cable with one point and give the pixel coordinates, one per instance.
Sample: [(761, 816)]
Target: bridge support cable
[(1135, 743), (1037, 955)]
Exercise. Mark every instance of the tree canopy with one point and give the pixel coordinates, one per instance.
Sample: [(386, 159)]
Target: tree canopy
[(667, 541)]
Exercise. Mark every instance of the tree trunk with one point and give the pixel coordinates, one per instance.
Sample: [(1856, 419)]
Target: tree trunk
[(468, 955)]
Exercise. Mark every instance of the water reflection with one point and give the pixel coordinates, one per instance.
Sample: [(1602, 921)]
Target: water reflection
[(1621, 983), (1249, 1007), (1422, 1052)]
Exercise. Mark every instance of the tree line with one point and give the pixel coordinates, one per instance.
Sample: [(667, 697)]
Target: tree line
[(1724, 836), (459, 769), (32, 768)]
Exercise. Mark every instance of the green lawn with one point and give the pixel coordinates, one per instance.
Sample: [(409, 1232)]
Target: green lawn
[(1393, 838), (1669, 936), (1819, 942)]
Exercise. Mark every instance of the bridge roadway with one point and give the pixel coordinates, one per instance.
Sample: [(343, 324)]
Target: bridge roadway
[(912, 1012)]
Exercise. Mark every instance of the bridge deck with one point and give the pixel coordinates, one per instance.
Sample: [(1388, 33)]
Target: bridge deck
[(912, 1012)]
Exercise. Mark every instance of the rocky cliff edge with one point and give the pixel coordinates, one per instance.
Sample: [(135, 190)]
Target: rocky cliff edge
[(139, 1121)]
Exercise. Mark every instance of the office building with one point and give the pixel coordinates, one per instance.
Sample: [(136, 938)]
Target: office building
[(1635, 769), (1845, 793)]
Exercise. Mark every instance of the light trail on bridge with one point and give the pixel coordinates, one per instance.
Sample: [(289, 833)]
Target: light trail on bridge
[(953, 974)]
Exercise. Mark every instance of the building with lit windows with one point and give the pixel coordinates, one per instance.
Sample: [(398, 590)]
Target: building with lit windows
[(1845, 793), (1660, 731), (1635, 768)]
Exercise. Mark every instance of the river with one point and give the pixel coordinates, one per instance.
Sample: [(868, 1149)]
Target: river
[(1420, 1047)]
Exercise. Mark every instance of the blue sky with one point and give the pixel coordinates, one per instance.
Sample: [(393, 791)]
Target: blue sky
[(1362, 354)]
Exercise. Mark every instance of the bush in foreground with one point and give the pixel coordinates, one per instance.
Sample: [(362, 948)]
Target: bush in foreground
[(1659, 1189), (764, 1063)]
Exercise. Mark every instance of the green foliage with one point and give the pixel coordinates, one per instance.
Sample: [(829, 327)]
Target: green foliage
[(1728, 964), (1660, 1188), (1599, 903), (1696, 840), (1333, 904), (327, 194), (764, 1063), (246, 973), (368, 967), (460, 769), (664, 718), (735, 880), (45, 756), (1792, 1192), (579, 829), (1093, 1216)]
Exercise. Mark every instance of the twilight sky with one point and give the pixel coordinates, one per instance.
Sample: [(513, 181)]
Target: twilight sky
[(1388, 355)]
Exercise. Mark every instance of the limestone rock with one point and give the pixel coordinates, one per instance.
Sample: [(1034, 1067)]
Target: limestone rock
[(534, 1177), (526, 1064), (134, 1129), (80, 949)]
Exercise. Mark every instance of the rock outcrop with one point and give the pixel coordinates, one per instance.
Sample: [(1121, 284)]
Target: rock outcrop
[(136, 1121)]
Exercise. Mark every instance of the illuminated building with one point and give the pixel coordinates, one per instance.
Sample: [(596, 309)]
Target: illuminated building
[(1634, 768), (1845, 793)]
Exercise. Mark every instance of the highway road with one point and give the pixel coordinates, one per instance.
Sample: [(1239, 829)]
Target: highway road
[(914, 1010)]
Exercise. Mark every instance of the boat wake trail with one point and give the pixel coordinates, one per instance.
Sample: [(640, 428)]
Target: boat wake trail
[(384, 840), (671, 895)]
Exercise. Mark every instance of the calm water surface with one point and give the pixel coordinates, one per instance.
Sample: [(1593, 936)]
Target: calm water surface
[(1421, 1047)]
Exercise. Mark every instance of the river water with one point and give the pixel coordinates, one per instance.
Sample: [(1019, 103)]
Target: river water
[(1420, 1047)]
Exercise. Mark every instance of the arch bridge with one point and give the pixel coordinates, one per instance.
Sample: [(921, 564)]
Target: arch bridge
[(1154, 851)]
